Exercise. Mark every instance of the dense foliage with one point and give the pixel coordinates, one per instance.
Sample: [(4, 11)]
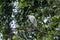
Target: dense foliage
[(46, 12)]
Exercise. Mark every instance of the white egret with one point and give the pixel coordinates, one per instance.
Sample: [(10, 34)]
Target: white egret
[(32, 19)]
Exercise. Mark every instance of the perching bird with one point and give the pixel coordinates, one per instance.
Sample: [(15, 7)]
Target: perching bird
[(32, 20)]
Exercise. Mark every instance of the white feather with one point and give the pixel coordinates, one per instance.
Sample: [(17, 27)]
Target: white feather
[(32, 20)]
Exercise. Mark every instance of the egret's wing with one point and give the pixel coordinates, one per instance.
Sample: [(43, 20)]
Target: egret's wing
[(35, 22)]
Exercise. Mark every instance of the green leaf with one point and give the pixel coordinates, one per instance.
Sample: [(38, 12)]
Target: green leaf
[(0, 8)]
